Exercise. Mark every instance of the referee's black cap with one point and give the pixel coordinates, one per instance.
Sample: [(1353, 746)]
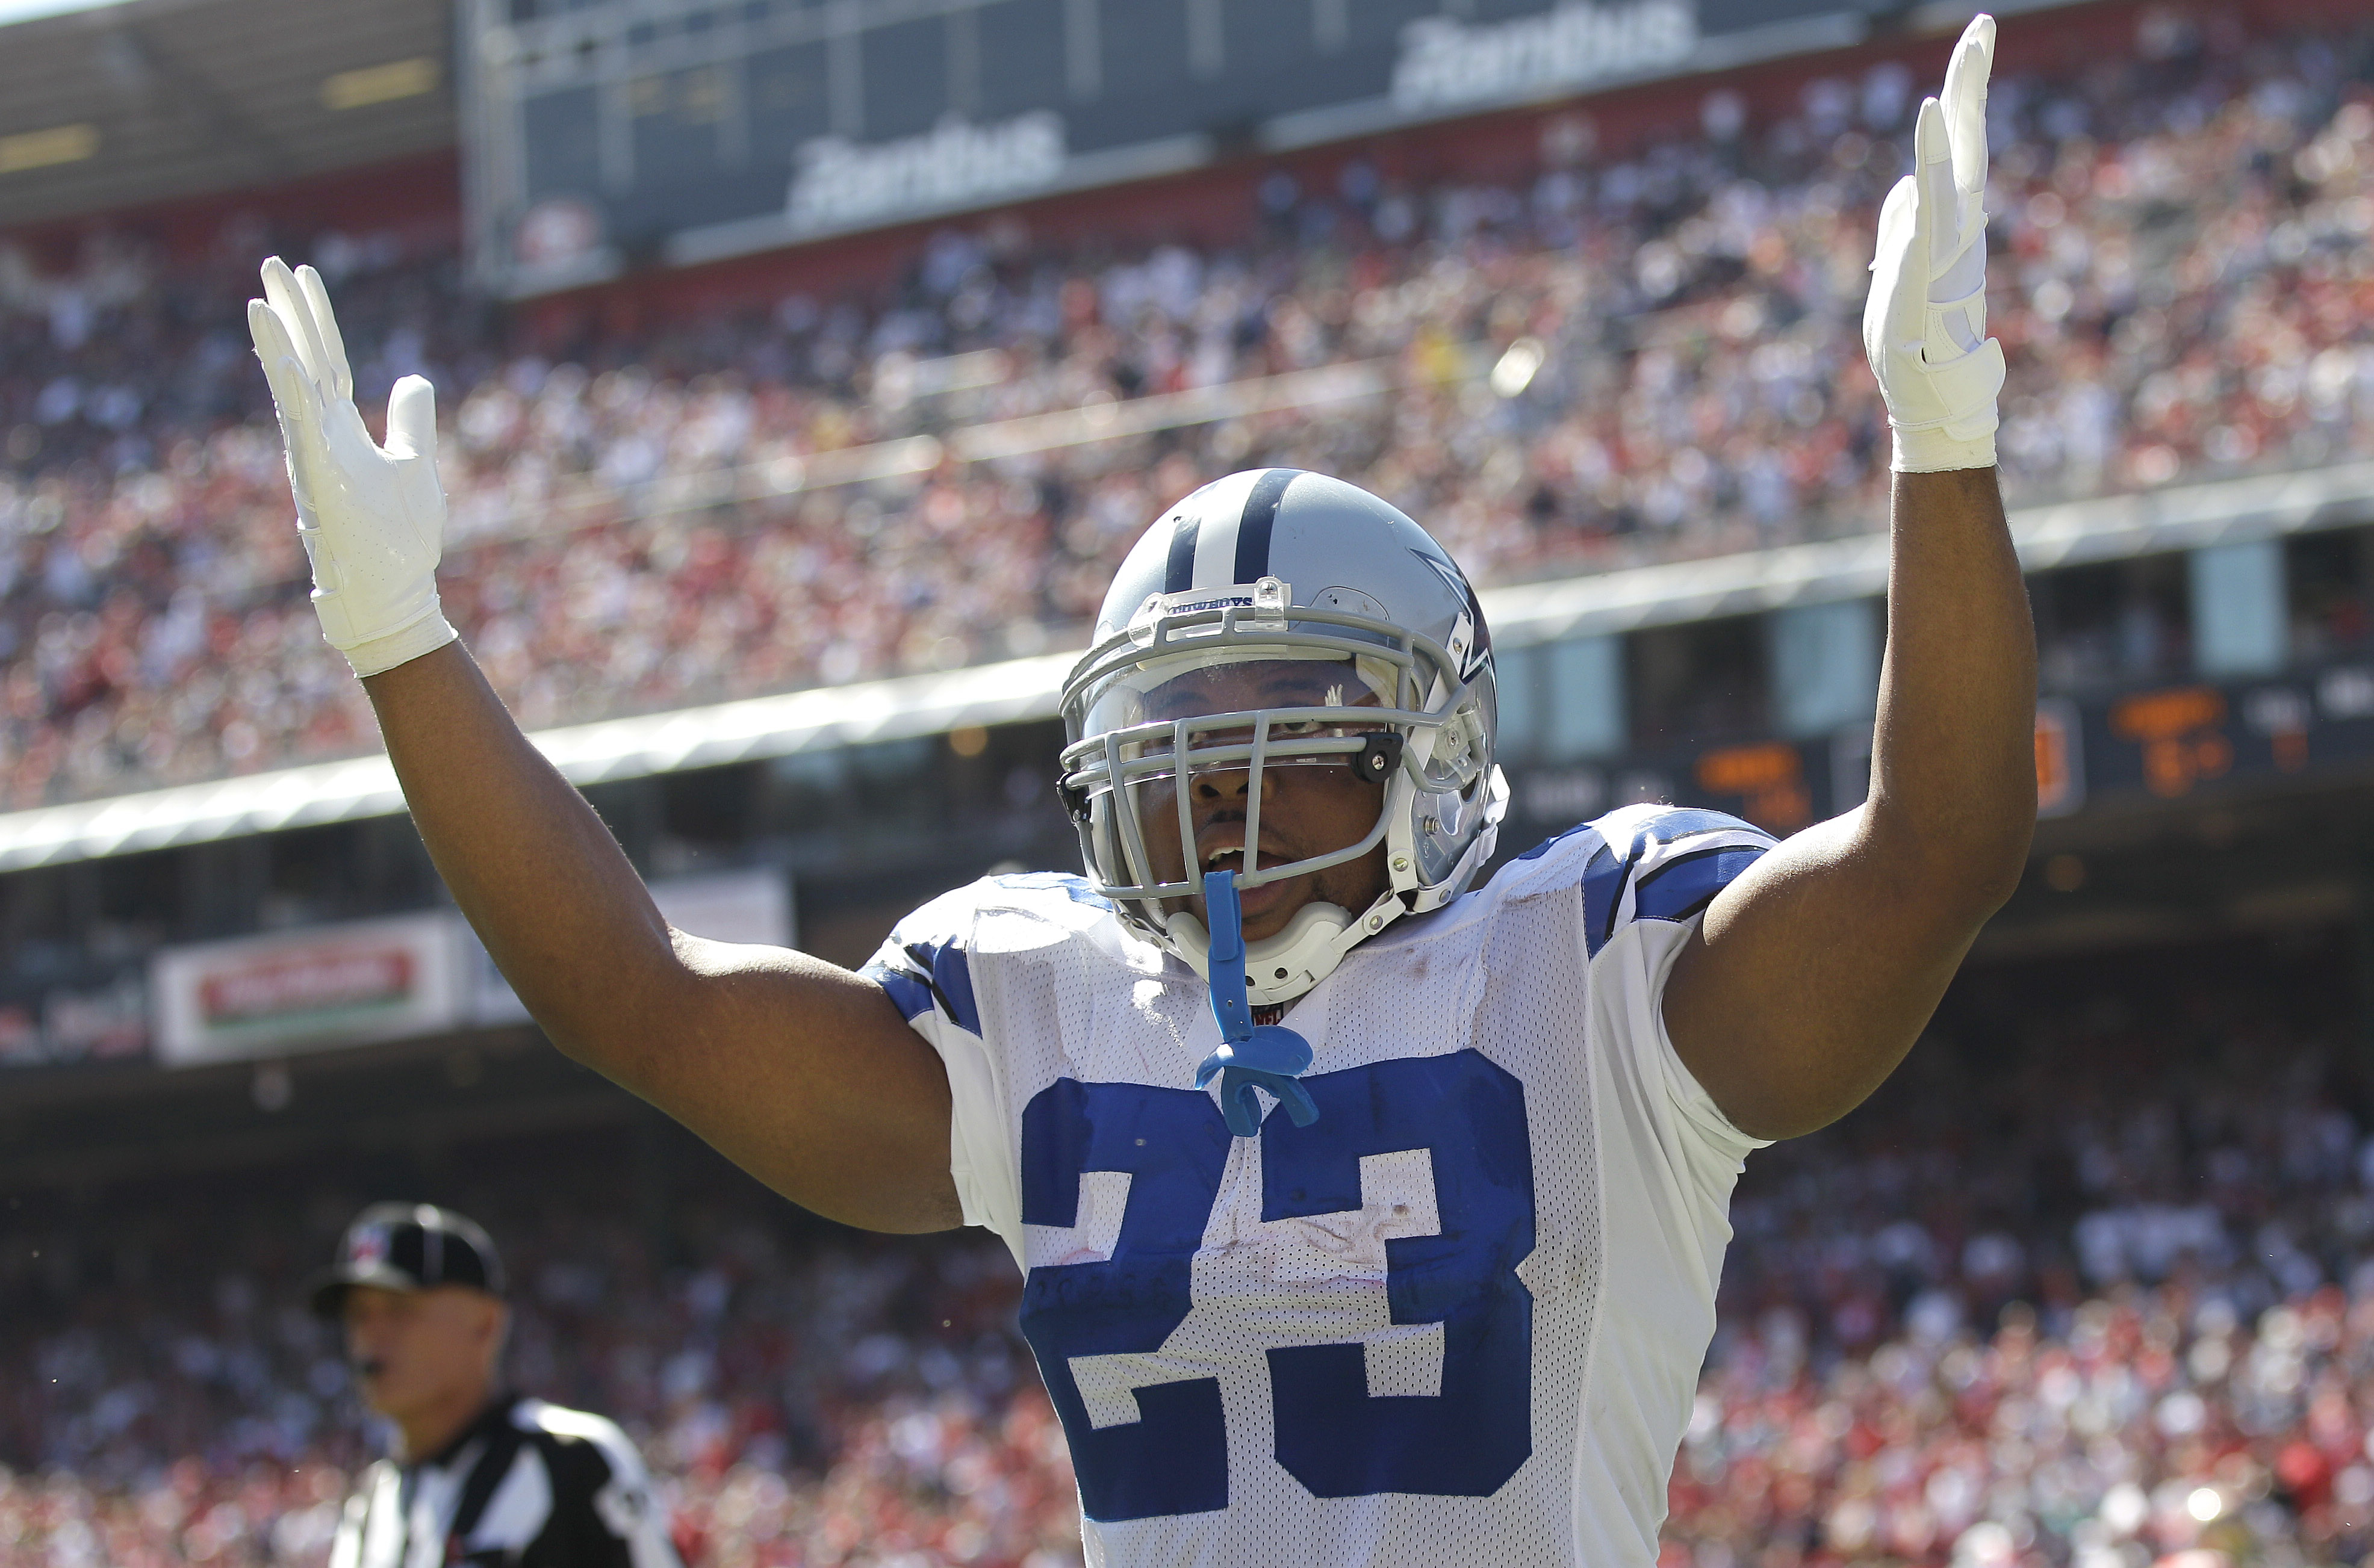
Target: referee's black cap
[(407, 1247)]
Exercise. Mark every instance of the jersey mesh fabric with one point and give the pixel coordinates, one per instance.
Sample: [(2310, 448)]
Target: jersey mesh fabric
[(1524, 1330)]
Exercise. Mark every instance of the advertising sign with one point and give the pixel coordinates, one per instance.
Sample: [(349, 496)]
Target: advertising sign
[(1446, 63), (74, 1024), (609, 133), (328, 986)]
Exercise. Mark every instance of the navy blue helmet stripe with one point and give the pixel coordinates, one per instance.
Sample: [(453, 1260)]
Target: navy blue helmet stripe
[(1179, 568), (1253, 526)]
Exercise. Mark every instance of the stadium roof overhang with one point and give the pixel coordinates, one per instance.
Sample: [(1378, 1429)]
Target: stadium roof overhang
[(758, 728), (156, 101)]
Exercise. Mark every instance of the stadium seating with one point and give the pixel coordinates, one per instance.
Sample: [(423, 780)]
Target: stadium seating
[(1619, 361), (2016, 1311)]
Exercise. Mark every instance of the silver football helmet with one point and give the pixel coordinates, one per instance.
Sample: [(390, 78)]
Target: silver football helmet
[(1277, 618)]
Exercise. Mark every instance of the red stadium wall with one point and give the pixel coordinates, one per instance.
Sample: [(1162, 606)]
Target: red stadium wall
[(417, 198)]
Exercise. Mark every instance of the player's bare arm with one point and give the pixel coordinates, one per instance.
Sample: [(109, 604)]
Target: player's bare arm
[(1815, 971), (800, 1072), (797, 1070)]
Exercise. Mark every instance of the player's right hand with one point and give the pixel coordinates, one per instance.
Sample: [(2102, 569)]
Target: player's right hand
[(373, 518)]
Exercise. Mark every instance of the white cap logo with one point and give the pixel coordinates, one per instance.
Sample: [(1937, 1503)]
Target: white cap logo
[(370, 1245)]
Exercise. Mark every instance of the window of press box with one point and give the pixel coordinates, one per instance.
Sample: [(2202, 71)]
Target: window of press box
[(1697, 682), (2328, 577), (1561, 702), (887, 784), (2112, 622)]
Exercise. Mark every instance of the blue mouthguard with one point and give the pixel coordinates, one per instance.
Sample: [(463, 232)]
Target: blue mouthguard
[(1265, 1056)]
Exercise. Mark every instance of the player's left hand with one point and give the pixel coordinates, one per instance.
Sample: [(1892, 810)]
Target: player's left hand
[(1924, 327)]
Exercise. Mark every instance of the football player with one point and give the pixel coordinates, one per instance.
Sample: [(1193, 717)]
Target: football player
[(1367, 1214)]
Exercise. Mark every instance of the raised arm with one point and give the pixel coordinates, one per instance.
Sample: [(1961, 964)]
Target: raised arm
[(801, 1072), (1814, 972)]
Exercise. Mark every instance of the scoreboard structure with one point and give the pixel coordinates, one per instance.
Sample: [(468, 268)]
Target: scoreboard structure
[(609, 133)]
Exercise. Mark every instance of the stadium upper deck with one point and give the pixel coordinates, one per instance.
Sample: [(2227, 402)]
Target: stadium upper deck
[(112, 106), (1624, 351), (1611, 357)]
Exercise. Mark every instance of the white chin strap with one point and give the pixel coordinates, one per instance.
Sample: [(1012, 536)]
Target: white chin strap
[(1279, 968)]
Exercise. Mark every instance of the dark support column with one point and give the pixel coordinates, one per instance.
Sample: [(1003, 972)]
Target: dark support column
[(222, 884), (635, 813), (2362, 956), (654, 1198)]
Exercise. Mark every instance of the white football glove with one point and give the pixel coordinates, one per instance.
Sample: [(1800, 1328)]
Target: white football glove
[(372, 519), (1924, 327)]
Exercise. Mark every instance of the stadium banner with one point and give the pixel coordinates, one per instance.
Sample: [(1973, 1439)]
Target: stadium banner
[(610, 134), (338, 985), (753, 907)]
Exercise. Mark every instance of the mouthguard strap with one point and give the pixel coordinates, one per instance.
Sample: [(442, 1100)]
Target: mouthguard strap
[(1252, 1056)]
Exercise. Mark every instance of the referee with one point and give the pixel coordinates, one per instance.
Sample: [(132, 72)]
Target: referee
[(480, 1474)]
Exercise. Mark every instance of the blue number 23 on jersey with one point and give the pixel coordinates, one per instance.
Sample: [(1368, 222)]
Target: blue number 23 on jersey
[(1332, 1435)]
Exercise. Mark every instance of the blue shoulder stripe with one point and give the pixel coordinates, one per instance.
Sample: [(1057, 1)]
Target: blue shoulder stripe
[(911, 995), (1675, 890), (1538, 850), (1073, 887), (1655, 897), (1688, 884), (1603, 889), (941, 973), (1683, 821)]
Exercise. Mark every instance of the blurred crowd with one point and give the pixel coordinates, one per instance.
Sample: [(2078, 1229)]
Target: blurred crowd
[(1638, 352), (807, 1395), (2090, 1282), (2091, 1285)]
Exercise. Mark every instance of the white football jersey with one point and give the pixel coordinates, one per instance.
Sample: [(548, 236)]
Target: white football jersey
[(1459, 1318)]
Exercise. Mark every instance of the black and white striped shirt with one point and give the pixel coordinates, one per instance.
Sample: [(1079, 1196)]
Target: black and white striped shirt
[(526, 1485)]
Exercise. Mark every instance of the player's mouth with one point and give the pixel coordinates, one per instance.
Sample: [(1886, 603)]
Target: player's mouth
[(1232, 858), (1251, 902)]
